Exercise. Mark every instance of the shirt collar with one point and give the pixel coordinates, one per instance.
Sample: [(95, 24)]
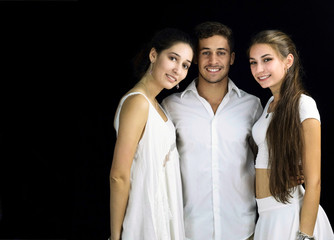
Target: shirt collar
[(192, 87)]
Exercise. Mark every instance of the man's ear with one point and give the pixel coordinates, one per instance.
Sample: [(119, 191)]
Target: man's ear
[(232, 58), (195, 59)]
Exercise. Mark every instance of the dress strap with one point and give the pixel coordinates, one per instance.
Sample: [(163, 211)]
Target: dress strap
[(134, 93), (116, 119)]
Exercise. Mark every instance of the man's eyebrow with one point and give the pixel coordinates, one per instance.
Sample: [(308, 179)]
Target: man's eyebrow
[(222, 48)]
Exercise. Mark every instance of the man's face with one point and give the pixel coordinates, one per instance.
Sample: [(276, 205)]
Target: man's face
[(214, 59)]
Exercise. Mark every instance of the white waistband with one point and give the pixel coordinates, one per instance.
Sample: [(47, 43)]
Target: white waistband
[(270, 203)]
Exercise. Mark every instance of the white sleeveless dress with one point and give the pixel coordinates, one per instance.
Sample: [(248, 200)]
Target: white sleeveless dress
[(155, 207), (278, 221)]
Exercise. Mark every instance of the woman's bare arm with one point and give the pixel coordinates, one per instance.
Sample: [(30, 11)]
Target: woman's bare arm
[(312, 174), (133, 118)]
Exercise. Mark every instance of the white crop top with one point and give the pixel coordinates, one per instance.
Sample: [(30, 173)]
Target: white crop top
[(307, 109)]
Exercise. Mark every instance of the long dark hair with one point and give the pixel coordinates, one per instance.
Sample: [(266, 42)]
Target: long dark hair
[(284, 134)]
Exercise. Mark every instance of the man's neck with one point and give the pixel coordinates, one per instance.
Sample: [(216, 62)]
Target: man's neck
[(214, 93)]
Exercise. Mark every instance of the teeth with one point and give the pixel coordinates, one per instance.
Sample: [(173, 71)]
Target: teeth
[(171, 77), (264, 77), (213, 69)]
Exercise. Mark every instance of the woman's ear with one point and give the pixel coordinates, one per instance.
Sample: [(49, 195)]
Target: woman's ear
[(153, 55), (289, 60)]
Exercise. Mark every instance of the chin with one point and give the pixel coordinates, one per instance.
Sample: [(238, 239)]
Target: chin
[(213, 81), (264, 86), (169, 87)]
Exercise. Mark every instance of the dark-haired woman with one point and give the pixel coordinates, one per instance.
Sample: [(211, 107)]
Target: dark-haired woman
[(145, 182), (287, 135)]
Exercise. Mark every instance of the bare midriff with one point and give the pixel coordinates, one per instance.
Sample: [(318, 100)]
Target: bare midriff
[(262, 183)]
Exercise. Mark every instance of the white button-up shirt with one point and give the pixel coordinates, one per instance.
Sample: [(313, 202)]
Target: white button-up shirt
[(217, 164)]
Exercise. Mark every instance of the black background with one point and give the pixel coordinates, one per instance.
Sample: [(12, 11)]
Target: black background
[(64, 67)]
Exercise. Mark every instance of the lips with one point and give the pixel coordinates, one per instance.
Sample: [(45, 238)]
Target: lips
[(263, 77), (213, 69), (171, 78)]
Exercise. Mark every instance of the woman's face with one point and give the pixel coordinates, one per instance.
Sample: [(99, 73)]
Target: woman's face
[(267, 67), (171, 65)]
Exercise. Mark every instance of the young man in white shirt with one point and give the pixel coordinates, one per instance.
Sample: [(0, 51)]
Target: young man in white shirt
[(213, 120)]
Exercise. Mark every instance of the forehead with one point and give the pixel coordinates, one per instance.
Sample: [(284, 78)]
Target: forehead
[(182, 49), (261, 49), (214, 42)]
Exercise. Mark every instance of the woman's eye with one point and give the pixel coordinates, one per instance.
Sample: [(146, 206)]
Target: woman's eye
[(185, 66)]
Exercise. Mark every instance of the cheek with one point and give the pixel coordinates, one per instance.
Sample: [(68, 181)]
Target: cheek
[(162, 63), (200, 60), (183, 75), (252, 68), (278, 71)]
